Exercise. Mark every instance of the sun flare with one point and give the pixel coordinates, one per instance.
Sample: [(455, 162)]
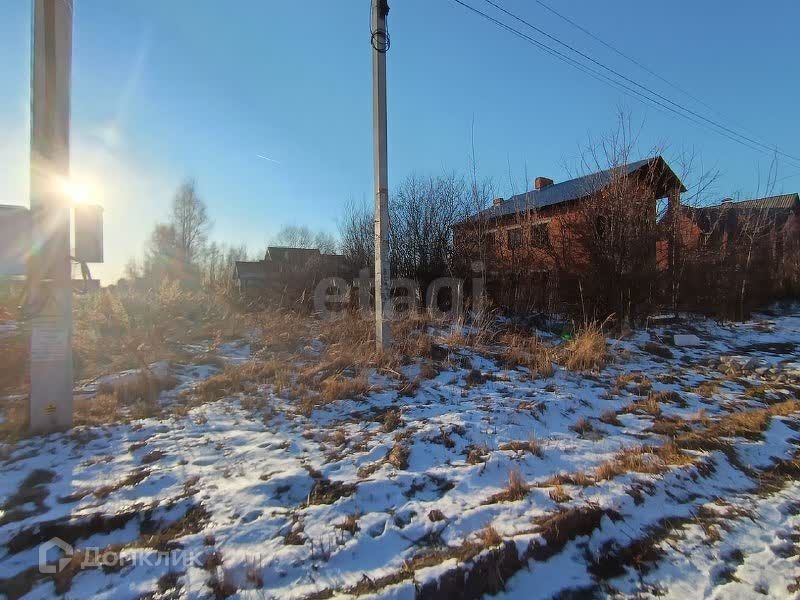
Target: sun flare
[(77, 192)]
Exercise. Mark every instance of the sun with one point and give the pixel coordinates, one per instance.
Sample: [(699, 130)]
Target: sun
[(76, 191)]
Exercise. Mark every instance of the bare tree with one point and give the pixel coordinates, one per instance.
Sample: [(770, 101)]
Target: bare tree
[(189, 219), (608, 243), (357, 235), (300, 236), (162, 254), (217, 266)]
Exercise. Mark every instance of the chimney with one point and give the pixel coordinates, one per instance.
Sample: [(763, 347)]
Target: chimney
[(498, 201), (542, 182)]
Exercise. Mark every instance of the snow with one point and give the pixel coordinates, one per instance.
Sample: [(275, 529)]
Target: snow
[(686, 339), (254, 470)]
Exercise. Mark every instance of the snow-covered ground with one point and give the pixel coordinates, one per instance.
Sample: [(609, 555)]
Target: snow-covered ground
[(396, 496)]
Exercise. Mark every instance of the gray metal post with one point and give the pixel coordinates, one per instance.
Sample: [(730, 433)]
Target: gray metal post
[(380, 44), (50, 272)]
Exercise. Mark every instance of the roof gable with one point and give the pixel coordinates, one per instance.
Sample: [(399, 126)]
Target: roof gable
[(287, 254), (249, 270), (573, 189)]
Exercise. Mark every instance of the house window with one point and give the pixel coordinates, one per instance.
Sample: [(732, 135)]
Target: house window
[(514, 238), (540, 235)]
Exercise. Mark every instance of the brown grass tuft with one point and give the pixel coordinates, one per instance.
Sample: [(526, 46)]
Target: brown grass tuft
[(558, 495), (532, 445), (582, 426), (398, 457), (641, 383), (340, 388), (586, 351), (643, 459), (516, 489), (580, 478), (648, 406), (488, 537), (707, 389), (609, 417), (530, 352)]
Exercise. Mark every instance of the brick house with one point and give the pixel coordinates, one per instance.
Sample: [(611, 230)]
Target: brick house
[(538, 245), (754, 242)]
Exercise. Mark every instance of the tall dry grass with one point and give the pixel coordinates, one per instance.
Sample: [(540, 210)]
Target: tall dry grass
[(125, 328), (587, 350), (529, 351)]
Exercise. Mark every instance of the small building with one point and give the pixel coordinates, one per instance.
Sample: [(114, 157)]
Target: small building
[(288, 271)]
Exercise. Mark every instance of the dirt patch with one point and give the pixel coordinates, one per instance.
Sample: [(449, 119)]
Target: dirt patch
[(562, 527), (104, 491), (326, 491)]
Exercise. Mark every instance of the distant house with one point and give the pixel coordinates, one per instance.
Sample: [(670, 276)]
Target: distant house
[(755, 243), (536, 238), (775, 216), (288, 271)]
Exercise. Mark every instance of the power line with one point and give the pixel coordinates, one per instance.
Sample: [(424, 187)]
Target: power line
[(639, 85), (621, 53), (641, 65), (615, 83)]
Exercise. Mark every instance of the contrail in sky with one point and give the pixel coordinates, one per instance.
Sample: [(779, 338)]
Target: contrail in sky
[(277, 162)]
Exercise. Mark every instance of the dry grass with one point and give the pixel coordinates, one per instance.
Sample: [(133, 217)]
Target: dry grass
[(398, 456), (641, 383), (14, 366), (707, 388), (647, 406), (580, 478), (339, 388), (144, 386), (587, 351), (350, 523), (100, 410), (609, 417), (582, 426), (668, 397), (530, 352), (643, 459), (283, 332), (516, 489), (559, 495), (15, 419), (127, 328), (488, 537), (532, 445), (750, 424), (391, 420)]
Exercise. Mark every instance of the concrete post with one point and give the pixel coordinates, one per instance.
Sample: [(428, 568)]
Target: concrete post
[(50, 269)]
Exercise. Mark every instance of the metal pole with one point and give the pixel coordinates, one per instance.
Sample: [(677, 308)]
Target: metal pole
[(380, 45), (50, 272)]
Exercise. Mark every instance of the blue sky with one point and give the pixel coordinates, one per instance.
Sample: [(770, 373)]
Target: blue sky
[(168, 90)]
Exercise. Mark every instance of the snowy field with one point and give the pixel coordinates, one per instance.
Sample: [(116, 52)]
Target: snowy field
[(657, 476)]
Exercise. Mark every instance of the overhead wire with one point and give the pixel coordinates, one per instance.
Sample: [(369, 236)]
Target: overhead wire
[(654, 99)]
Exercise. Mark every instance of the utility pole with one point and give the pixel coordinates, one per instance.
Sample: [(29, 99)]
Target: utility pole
[(380, 45), (50, 269)]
